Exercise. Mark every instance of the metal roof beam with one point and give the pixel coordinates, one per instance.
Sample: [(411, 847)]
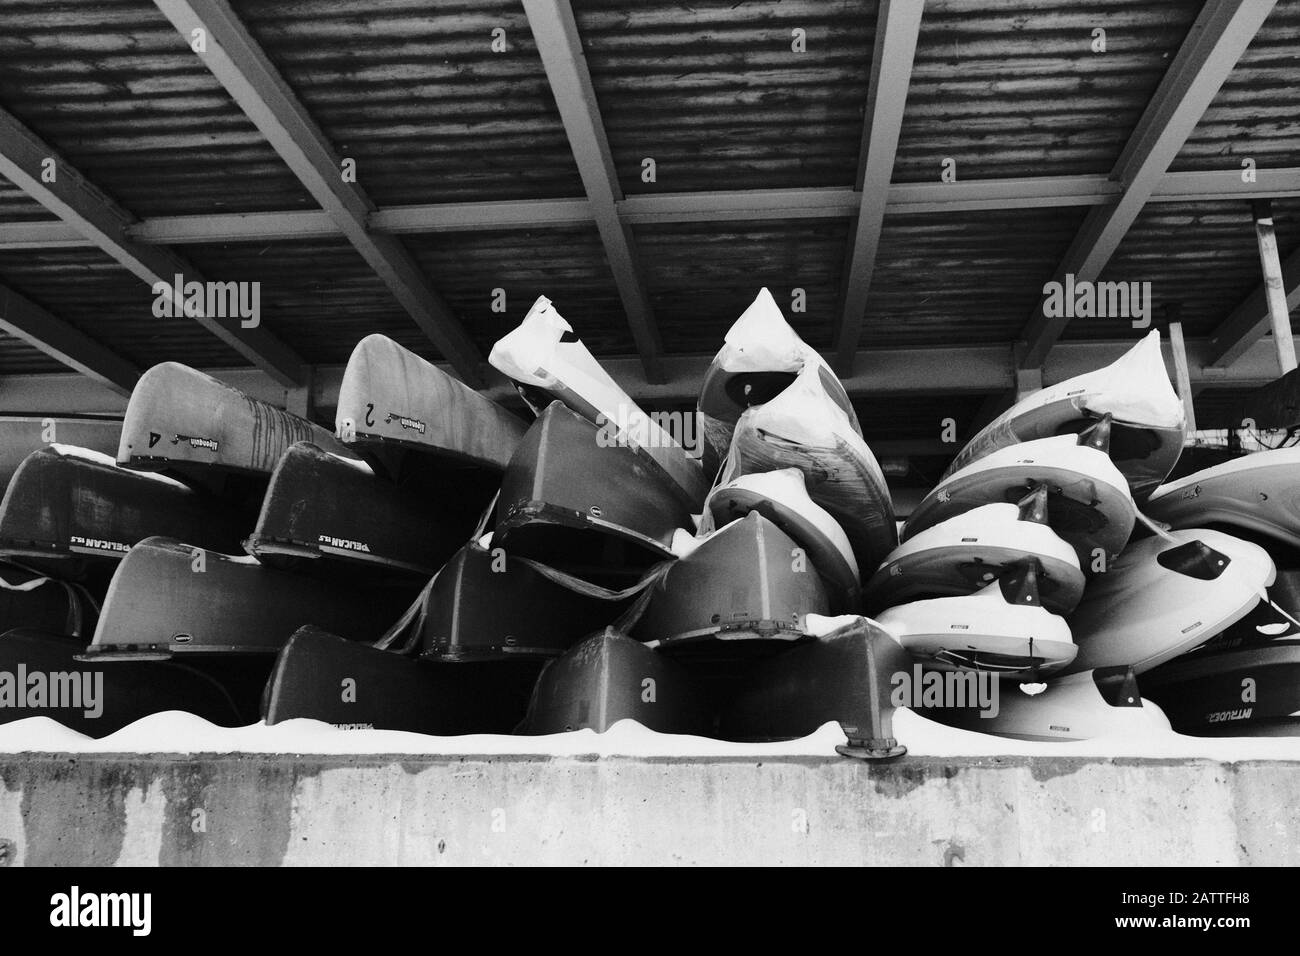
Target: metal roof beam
[(898, 24), (25, 320), (1214, 43), (737, 205), (248, 75), (556, 32), (84, 208)]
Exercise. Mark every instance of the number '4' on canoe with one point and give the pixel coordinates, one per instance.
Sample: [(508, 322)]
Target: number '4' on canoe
[(192, 425), (169, 599), (334, 515), (71, 507), (320, 676)]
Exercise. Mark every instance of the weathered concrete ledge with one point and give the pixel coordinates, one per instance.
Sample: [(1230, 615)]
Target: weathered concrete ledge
[(269, 810)]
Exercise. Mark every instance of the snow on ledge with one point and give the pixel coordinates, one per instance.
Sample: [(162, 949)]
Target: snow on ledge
[(180, 733)]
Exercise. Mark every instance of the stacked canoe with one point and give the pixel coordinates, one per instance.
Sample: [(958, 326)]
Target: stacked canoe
[(436, 564)]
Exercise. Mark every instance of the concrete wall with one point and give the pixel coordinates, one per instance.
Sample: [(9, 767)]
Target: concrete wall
[(102, 810)]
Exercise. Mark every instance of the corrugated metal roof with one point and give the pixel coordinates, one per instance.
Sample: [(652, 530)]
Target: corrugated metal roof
[(90, 291), (716, 94), (414, 93), (1202, 255), (1014, 89), (19, 358), (17, 206), (1256, 114), (963, 279), (115, 89), (701, 276)]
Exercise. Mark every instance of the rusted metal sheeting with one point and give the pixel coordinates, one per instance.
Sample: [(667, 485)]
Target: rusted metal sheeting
[(91, 292), (566, 265), (17, 206), (714, 92), (963, 279), (1014, 89), (414, 93), (1202, 255), (318, 295), (1257, 111), (701, 276), (119, 94)]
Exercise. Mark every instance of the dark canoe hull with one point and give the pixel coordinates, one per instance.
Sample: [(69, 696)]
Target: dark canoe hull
[(1243, 692), (388, 691), (610, 677), (160, 605), (747, 584), (322, 511), (52, 606), (596, 511), (20, 435), (125, 692), (182, 421), (68, 512), (393, 404), (486, 606), (843, 677)]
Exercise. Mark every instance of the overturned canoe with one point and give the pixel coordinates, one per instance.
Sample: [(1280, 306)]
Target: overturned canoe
[(74, 506), (1165, 596), (844, 676), (782, 498), (571, 503), (610, 677), (485, 605), (747, 583), (805, 427), (1001, 628), (971, 550), (1269, 620), (20, 435), (97, 699), (761, 355), (31, 599), (546, 368), (1147, 435), (1096, 703), (320, 676), (321, 509), (392, 402), (171, 599), (1088, 500), (181, 420), (1246, 691), (1256, 494)]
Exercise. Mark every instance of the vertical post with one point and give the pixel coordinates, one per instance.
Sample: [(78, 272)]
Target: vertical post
[(1182, 374), (298, 401), (1274, 288)]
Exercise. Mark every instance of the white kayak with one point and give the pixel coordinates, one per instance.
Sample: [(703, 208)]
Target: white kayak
[(782, 498), (1259, 493), (1089, 504), (1135, 390), (971, 550), (760, 357), (804, 427), (1164, 597), (1095, 703), (536, 357), (1002, 628)]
